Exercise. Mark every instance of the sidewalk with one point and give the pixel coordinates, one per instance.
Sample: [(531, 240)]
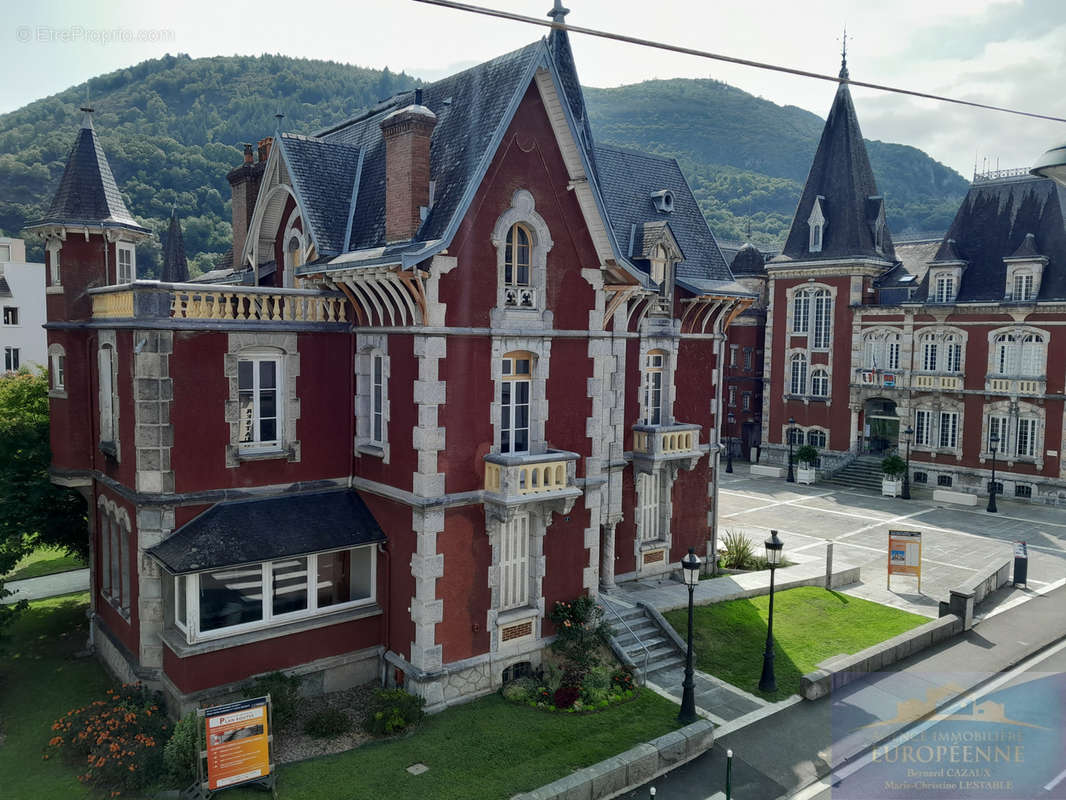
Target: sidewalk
[(76, 580), (777, 756)]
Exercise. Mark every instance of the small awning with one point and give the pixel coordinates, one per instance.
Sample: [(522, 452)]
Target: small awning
[(250, 531)]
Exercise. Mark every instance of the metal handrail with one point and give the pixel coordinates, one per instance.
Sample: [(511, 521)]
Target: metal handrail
[(647, 653)]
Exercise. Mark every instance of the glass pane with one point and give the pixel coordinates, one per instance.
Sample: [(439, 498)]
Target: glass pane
[(521, 391), (522, 366), (521, 417), (334, 578), (267, 403), (521, 441), (267, 374), (247, 412), (231, 597), (268, 430), (505, 392), (290, 585), (244, 374), (181, 601), (523, 275)]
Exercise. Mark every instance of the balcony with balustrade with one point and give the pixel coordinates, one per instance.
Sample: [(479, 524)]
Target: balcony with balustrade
[(1022, 386), (657, 444), (190, 305), (880, 378), (519, 478)]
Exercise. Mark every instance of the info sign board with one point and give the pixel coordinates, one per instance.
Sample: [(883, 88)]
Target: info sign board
[(235, 745), (905, 555)]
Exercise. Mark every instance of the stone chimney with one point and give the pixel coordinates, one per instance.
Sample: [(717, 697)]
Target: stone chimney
[(244, 185), (407, 132)]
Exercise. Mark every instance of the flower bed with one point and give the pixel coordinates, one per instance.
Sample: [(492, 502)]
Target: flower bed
[(559, 691)]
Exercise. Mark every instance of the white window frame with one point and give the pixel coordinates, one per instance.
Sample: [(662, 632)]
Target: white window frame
[(516, 302), (125, 273), (192, 631), (108, 399), (822, 324), (733, 348), (745, 401), (732, 396), (948, 430), (377, 397), (923, 427), (1018, 353), (1023, 287), (12, 359), (1025, 440), (819, 374), (999, 424), (653, 390), (257, 444), (801, 311), (511, 378), (58, 371), (54, 270), (649, 506), (817, 438), (945, 288), (798, 381), (514, 562)]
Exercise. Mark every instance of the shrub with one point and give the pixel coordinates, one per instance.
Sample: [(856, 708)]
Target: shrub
[(807, 454), (180, 753), (520, 690), (622, 680), (327, 724), (565, 696), (284, 691), (580, 632), (119, 739), (553, 676), (597, 678), (893, 466), (738, 551), (392, 710)]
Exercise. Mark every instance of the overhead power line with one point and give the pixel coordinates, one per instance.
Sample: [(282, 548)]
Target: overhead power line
[(745, 62)]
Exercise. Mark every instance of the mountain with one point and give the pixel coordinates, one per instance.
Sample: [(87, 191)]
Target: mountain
[(172, 126)]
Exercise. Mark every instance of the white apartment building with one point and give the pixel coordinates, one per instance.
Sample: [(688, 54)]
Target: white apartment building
[(22, 309)]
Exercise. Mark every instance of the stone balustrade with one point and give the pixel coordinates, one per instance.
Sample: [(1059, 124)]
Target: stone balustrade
[(680, 440), (525, 475), (113, 304)]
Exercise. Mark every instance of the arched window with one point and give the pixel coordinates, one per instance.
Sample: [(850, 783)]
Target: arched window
[(1031, 356), (930, 350), (57, 361), (516, 258), (820, 383), (823, 316), (1005, 354), (881, 350), (654, 365), (816, 438), (801, 307), (516, 378), (798, 383)]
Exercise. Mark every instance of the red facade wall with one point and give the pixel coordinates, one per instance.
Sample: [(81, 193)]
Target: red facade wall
[(467, 372), (126, 632), (566, 558), (71, 438), (464, 587), (403, 417), (689, 527)]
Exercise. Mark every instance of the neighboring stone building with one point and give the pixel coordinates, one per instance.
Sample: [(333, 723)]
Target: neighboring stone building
[(478, 374), (742, 426), (960, 339), (22, 314)]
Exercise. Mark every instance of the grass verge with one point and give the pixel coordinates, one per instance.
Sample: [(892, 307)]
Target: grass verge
[(44, 561), (810, 625)]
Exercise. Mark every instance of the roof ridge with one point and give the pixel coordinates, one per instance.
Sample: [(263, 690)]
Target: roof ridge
[(633, 151)]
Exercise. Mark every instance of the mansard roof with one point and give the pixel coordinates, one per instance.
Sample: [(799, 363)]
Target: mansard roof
[(841, 175), (88, 195), (628, 179), (175, 265), (748, 261), (994, 222)]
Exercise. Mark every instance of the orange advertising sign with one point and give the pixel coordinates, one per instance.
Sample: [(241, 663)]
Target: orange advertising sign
[(905, 554), (238, 743)]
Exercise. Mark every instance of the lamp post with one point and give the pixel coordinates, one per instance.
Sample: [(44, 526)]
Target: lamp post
[(690, 570), (768, 683), (906, 493), (791, 475), (730, 419), (993, 440)]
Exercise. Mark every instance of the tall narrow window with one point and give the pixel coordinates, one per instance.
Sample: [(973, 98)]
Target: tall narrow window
[(1023, 286), (798, 384), (1031, 358), (654, 364), (945, 288), (922, 428), (892, 359), (1005, 356), (648, 491), (823, 313), (801, 306), (107, 393), (11, 359), (732, 396), (820, 383), (949, 429), (514, 563), (953, 353), (377, 398), (746, 401), (1026, 440), (53, 265), (997, 427), (514, 402), (747, 358), (116, 559), (124, 566), (929, 353), (59, 378), (516, 260), (127, 267), (258, 379), (105, 553)]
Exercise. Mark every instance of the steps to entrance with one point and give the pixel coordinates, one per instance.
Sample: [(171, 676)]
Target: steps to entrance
[(636, 636), (862, 473)]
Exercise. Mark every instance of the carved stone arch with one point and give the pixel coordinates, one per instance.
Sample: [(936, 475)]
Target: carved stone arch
[(267, 222), (528, 309)]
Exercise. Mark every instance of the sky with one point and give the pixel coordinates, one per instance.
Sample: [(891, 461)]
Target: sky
[(1002, 52)]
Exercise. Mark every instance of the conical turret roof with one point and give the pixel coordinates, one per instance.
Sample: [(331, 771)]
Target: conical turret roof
[(175, 265)]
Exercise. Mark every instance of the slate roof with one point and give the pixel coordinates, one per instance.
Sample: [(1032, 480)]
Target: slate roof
[(249, 531), (748, 261), (324, 175), (627, 179), (87, 193), (175, 265), (992, 224), (841, 174), (5, 289)]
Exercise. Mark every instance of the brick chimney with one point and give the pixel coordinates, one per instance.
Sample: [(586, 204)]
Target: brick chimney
[(244, 184), (407, 132)]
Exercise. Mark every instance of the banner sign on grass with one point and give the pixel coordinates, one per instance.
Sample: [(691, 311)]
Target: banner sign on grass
[(238, 743)]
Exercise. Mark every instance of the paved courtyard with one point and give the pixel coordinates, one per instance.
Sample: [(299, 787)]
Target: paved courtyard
[(957, 541)]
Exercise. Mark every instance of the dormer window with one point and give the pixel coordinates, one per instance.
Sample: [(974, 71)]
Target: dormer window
[(1023, 287), (663, 200), (1025, 268), (817, 223), (944, 291)]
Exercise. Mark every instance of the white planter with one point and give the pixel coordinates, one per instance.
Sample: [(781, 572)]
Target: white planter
[(891, 487), (805, 474)]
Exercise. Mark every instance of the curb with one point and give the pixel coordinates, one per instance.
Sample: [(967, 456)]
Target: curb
[(638, 765)]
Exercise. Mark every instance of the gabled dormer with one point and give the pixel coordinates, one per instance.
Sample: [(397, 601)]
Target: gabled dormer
[(816, 223), (660, 250), (945, 273), (1025, 269)]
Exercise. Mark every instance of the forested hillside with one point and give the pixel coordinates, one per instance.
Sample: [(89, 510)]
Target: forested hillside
[(172, 127)]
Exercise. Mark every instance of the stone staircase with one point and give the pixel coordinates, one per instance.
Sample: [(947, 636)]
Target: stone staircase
[(862, 473), (636, 635)]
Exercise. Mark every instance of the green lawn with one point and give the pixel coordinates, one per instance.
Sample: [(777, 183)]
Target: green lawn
[(485, 749), (810, 625), (44, 561), (40, 680)]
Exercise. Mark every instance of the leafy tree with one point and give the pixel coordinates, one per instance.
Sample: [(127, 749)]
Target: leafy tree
[(33, 510)]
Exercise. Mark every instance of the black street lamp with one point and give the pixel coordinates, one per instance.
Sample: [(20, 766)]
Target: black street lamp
[(993, 440), (791, 475), (767, 683), (730, 419), (906, 493), (690, 570)]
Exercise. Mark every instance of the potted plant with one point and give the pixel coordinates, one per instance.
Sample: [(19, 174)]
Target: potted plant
[(807, 456), (892, 470)]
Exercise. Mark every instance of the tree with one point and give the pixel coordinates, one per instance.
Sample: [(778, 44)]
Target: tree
[(33, 510)]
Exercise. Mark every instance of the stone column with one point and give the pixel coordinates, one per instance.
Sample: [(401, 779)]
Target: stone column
[(854, 434), (607, 556)]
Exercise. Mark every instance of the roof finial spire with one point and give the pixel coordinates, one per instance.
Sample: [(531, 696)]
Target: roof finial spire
[(277, 121), (559, 12), (844, 54)]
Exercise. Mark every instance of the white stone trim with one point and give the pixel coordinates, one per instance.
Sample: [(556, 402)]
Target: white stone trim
[(496, 619), (522, 211), (108, 338), (367, 345), (286, 346), (540, 348)]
